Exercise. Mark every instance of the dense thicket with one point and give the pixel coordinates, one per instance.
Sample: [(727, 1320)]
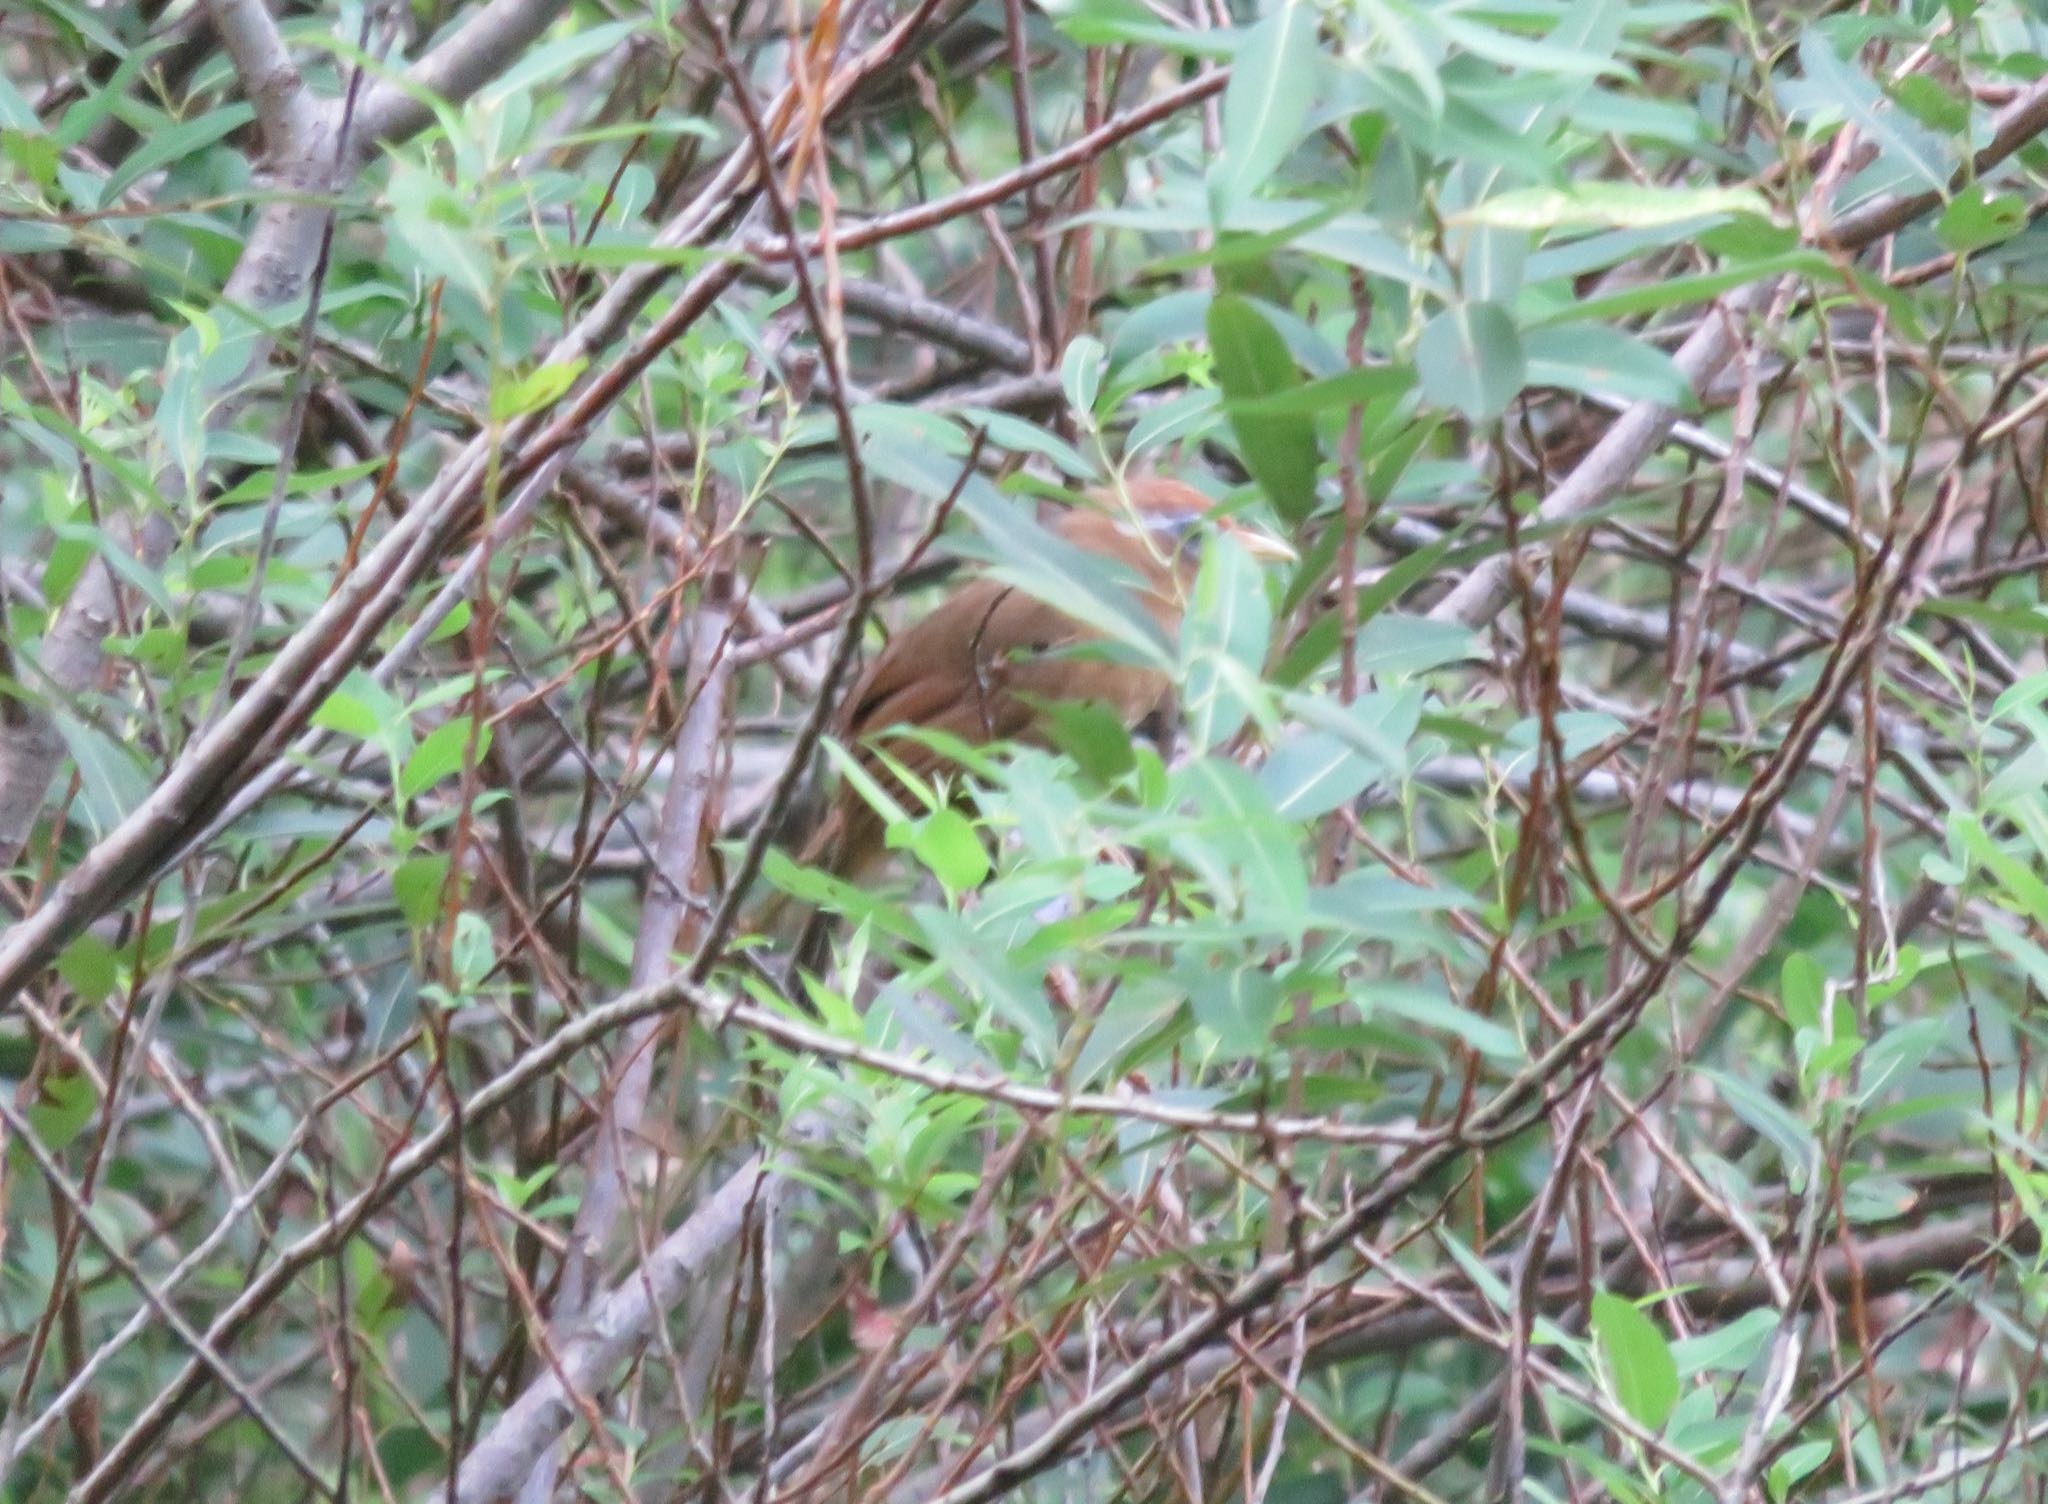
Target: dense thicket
[(1552, 1015)]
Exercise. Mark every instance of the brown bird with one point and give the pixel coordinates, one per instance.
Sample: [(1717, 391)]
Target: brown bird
[(982, 666)]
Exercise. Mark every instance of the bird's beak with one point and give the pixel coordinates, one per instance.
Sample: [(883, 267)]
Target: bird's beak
[(1259, 543)]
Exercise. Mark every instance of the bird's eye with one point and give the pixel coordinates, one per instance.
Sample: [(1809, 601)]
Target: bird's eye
[(1183, 530)]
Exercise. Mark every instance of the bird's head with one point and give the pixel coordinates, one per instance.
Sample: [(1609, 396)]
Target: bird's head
[(1172, 513)]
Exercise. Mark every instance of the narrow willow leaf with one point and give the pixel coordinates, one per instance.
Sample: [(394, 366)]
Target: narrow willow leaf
[(1470, 358), (166, 147), (1254, 363), (1598, 359), (1081, 373), (1638, 1359), (1610, 206), (1229, 623), (1834, 84), (1312, 773), (1265, 105)]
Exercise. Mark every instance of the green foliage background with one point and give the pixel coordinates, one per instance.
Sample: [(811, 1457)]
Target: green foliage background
[(1556, 1016)]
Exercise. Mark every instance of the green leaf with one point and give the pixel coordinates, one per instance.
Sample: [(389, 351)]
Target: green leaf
[(1903, 1047), (1174, 318), (1932, 103), (35, 153), (1431, 1009), (1170, 420), (1235, 247), (2017, 878), (473, 952), (536, 389), (1224, 637), (416, 883), (986, 975), (1616, 1480), (870, 789), (1490, 262), (1516, 52), (452, 624), (1249, 857), (1470, 358), (1602, 110), (1238, 1003), (1253, 363), (28, 237), (1832, 84), (111, 780), (1613, 206), (1802, 990), (1081, 373), (1419, 57), (1397, 644), (1094, 736), (919, 450), (1595, 358), (1312, 773), (1727, 1349), (1976, 218), (343, 712), (1351, 388), (439, 227), (2028, 690), (947, 843), (89, 967), (1086, 586), (1696, 288), (1792, 1138), (1637, 1358), (181, 406), (1109, 23), (1008, 431), (1266, 102), (406, 1453), (261, 484), (1796, 1464), (162, 148), (79, 120), (1396, 454), (440, 753), (1356, 240), (16, 113), (1378, 725), (556, 57), (1372, 902), (61, 1112), (620, 251), (1139, 1009)]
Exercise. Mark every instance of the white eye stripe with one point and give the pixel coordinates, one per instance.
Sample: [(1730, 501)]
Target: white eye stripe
[(1168, 524)]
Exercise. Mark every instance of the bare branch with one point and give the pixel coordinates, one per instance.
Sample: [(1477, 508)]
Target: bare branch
[(618, 1327), (486, 43), (292, 119)]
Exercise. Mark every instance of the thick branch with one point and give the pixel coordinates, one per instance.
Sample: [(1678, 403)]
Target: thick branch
[(480, 49), (289, 114), (618, 1328)]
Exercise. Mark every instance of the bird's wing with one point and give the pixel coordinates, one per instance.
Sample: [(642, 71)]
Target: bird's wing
[(976, 669), (952, 669)]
